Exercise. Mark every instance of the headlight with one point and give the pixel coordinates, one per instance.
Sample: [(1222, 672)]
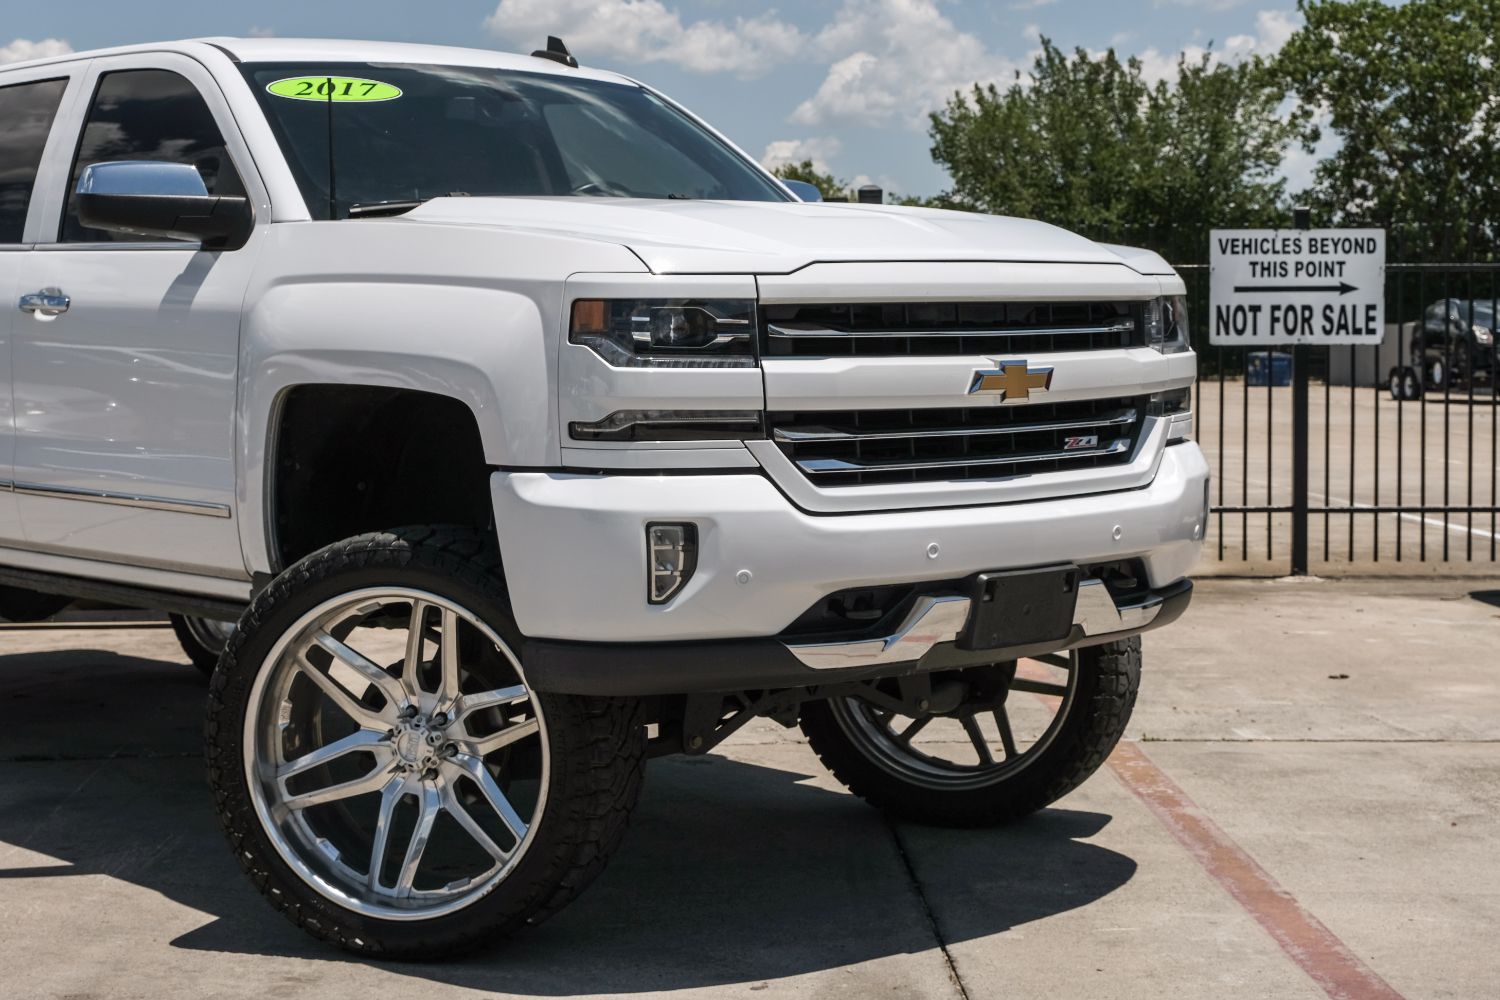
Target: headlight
[(667, 333), (1167, 324)]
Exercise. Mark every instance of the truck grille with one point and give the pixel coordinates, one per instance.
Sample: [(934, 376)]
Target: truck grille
[(951, 328), (866, 447)]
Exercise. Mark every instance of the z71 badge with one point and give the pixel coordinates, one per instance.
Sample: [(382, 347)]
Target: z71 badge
[(1081, 442)]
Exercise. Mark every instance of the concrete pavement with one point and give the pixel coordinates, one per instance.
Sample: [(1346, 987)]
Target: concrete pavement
[(1343, 735)]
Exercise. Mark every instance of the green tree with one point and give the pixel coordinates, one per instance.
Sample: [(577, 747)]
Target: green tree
[(832, 188), (1413, 94), (1087, 143)]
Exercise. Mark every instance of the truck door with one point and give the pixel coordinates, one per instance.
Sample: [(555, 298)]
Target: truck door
[(29, 102), (125, 374)]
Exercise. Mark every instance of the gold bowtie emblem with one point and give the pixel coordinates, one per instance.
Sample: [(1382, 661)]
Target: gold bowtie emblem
[(1011, 380)]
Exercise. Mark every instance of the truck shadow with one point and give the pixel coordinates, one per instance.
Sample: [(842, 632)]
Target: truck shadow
[(733, 872)]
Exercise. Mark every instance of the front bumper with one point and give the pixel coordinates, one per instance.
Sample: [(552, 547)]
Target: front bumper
[(574, 549)]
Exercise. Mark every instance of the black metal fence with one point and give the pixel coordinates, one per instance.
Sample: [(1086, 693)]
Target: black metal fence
[(1340, 458)]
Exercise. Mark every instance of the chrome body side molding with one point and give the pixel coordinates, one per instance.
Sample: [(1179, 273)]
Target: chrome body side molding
[(118, 499)]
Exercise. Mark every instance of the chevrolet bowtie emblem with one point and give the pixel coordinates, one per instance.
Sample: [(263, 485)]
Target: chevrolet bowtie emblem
[(1011, 380)]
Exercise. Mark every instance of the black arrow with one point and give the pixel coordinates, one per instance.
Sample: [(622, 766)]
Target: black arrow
[(1343, 288)]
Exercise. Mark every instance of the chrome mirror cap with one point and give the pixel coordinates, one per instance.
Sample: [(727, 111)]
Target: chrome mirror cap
[(142, 178)]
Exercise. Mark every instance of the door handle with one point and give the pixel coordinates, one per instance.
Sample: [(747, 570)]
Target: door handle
[(46, 304)]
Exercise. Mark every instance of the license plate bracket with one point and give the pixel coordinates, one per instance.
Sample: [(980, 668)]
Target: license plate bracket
[(1021, 608)]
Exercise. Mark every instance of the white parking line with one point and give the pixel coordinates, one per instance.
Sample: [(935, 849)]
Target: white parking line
[(1452, 525)]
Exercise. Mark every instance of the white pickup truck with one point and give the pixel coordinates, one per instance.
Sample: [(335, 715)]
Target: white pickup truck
[(527, 429)]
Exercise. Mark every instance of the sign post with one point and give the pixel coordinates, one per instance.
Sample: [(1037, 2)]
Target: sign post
[(1301, 220), (1304, 287)]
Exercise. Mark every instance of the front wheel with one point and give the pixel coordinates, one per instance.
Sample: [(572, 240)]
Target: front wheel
[(990, 745), (1437, 375), (384, 771)]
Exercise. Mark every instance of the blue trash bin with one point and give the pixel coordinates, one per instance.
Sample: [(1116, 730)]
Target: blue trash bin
[(1268, 367)]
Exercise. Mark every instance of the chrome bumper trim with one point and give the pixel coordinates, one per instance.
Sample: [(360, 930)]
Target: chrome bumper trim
[(938, 619)]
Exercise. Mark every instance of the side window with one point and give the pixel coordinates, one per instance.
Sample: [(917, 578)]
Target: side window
[(26, 113), (148, 114)]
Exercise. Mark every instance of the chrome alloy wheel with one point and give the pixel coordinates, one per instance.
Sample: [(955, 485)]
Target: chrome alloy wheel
[(396, 758), (976, 733)]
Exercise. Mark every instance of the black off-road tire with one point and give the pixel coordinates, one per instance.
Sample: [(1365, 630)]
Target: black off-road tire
[(597, 750), (1110, 677), (204, 655)]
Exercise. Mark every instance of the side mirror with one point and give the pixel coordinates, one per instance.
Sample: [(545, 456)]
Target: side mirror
[(804, 191), (151, 198)]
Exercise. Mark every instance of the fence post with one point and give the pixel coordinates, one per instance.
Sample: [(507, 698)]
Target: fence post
[(1301, 219)]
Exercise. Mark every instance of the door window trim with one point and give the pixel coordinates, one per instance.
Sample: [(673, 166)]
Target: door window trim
[(71, 71)]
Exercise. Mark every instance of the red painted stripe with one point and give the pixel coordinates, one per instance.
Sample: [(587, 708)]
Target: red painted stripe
[(1301, 935)]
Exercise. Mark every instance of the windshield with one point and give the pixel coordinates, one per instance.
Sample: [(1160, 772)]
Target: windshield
[(365, 133), (1481, 313)]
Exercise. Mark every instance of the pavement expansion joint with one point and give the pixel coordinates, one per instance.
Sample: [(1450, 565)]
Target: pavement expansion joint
[(932, 922)]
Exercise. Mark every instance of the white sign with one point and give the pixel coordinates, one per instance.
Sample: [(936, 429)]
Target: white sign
[(1296, 286)]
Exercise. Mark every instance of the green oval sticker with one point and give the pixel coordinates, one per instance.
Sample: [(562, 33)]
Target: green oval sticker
[(333, 88)]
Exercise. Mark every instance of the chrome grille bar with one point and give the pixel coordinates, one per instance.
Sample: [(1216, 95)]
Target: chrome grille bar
[(863, 447), (787, 331), (1119, 418), (816, 466)]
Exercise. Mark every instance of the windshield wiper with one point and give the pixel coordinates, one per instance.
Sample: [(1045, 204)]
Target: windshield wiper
[(372, 209)]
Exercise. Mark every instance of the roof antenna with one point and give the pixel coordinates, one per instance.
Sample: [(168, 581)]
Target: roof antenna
[(557, 52)]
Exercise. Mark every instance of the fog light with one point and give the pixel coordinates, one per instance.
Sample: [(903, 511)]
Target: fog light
[(671, 557)]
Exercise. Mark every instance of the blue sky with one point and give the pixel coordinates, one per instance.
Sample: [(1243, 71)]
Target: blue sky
[(846, 82)]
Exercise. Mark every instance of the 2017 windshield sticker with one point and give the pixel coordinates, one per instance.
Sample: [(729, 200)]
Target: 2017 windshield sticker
[(333, 88)]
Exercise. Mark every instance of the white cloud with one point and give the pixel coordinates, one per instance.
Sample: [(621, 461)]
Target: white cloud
[(24, 48), (1273, 28), (256, 31), (637, 31), (895, 59), (819, 149), (1031, 4)]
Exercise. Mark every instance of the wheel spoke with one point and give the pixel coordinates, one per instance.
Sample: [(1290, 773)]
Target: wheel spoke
[(346, 701), (448, 653), (411, 663), (364, 669), (390, 797), (485, 745), (1038, 687), (373, 781), (916, 727), (473, 768), (470, 825), (1007, 738), (468, 704), (363, 740), (976, 737), (431, 804)]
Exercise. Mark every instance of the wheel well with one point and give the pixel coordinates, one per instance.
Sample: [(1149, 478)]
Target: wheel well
[(351, 459)]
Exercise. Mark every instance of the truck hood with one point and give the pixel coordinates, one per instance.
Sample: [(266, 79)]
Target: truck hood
[(740, 237)]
